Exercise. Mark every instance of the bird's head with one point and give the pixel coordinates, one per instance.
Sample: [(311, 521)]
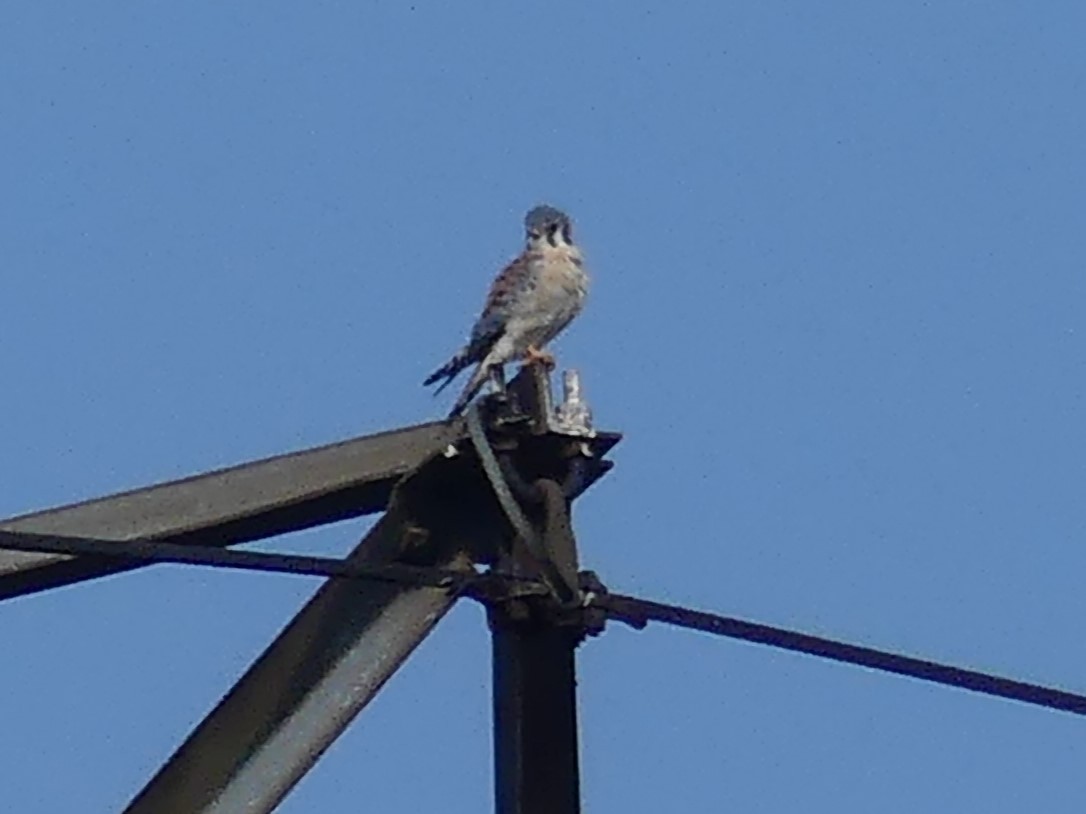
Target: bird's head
[(547, 226)]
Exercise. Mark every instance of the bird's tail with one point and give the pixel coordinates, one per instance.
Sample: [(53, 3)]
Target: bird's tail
[(448, 371), (475, 383)]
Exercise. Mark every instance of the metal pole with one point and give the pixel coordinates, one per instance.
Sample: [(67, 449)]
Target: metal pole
[(535, 714)]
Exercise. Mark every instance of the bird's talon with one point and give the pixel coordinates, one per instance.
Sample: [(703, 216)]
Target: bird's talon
[(535, 355)]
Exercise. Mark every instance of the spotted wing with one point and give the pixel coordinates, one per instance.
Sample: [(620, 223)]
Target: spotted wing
[(507, 290)]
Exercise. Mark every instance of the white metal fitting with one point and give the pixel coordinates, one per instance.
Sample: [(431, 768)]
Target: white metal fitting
[(573, 416)]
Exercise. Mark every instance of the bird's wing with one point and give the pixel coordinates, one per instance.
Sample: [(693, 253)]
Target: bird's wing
[(506, 292)]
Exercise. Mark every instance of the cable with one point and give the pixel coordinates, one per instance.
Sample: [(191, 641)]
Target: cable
[(153, 551), (494, 474), (486, 586), (533, 544), (638, 612)]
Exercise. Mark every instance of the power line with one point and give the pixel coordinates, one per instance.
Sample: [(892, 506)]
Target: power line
[(639, 612), (453, 500), (147, 552), (483, 586)]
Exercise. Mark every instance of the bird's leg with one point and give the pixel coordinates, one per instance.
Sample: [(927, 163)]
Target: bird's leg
[(497, 379), (534, 354)]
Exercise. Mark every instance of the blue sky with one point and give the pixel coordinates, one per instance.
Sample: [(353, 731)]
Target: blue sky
[(837, 311)]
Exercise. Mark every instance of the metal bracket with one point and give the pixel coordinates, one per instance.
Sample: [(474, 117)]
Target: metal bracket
[(528, 400), (548, 545)]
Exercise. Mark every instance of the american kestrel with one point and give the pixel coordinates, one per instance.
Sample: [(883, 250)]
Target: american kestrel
[(530, 302)]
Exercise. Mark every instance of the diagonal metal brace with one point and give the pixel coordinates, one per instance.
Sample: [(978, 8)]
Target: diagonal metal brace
[(333, 657), (229, 506)]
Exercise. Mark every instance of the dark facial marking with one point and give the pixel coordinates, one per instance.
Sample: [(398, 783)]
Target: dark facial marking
[(552, 233)]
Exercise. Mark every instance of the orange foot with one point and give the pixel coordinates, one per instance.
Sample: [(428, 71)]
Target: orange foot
[(534, 354)]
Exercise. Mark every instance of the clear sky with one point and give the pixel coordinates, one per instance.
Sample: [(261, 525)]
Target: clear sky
[(837, 310)]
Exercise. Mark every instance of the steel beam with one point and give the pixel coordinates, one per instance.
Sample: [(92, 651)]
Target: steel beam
[(243, 503), (535, 716), (333, 657)]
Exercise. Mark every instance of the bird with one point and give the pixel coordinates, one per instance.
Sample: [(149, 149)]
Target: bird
[(529, 303)]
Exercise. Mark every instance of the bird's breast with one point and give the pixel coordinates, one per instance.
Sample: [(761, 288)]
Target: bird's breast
[(562, 272)]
